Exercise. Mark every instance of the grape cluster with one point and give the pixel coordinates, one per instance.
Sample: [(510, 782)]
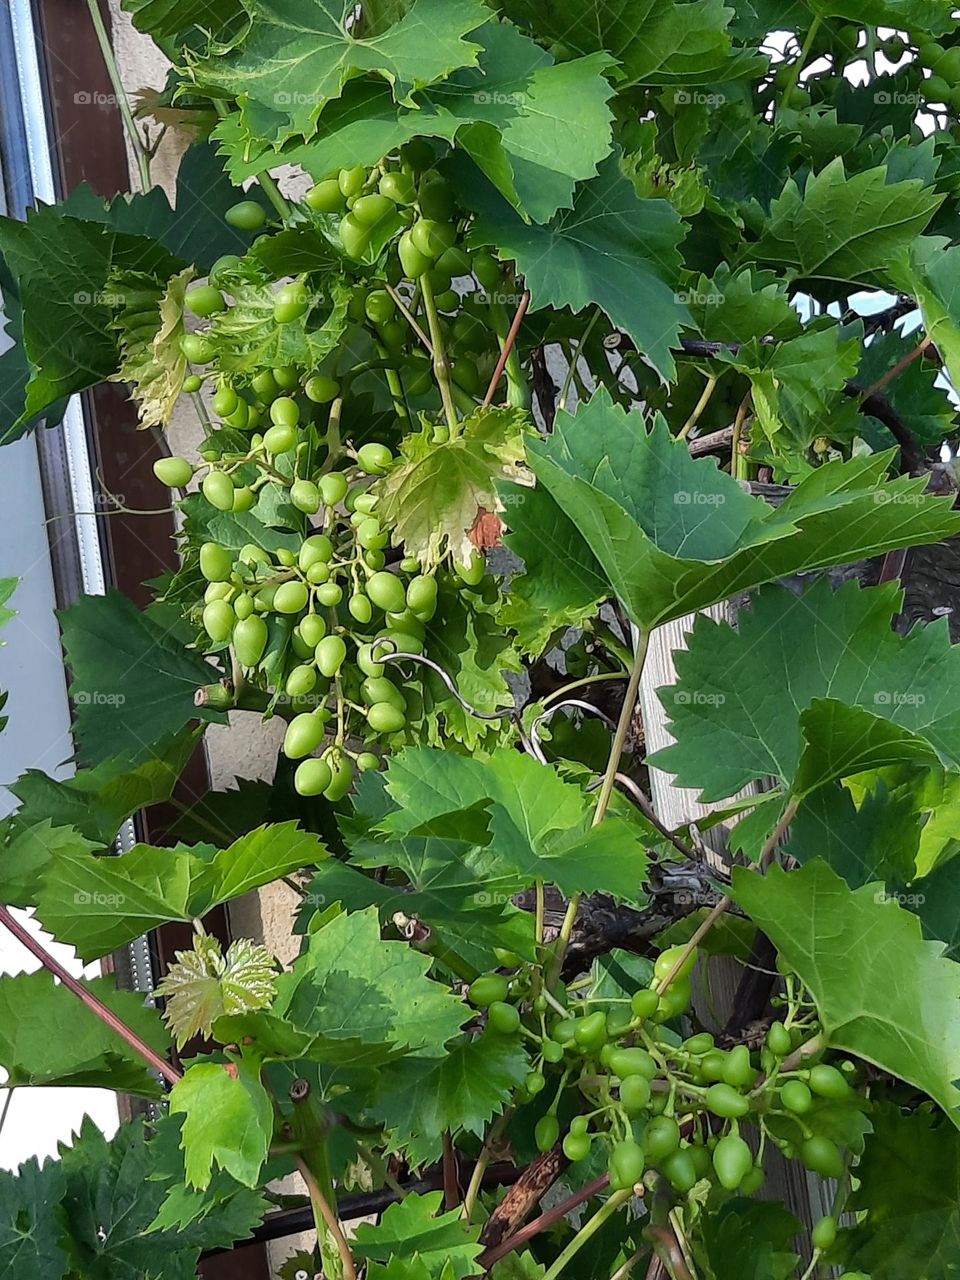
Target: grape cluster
[(669, 1111)]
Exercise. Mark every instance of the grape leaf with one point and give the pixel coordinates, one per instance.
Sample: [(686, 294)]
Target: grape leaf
[(27, 852), (416, 1228), (882, 992), (247, 339), (84, 1051), (908, 1191), (228, 1121), (434, 493), (298, 57), (737, 705), (421, 1098), (658, 42), (929, 270), (152, 363), (7, 588), (749, 1240), (674, 534), (133, 682), (914, 393), (611, 248), (845, 228), (203, 985), (100, 904), (30, 1234), (164, 19), (537, 823), (933, 16), (737, 305), (877, 840)]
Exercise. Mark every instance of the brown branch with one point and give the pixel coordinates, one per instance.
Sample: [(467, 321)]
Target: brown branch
[(507, 348), (544, 387), (519, 1201), (93, 1003), (546, 1220), (879, 407)]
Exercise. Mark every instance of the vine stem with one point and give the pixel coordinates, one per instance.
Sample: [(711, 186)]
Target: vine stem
[(508, 345), (699, 407), (801, 62), (572, 362), (93, 1003), (410, 318), (897, 369), (606, 790), (332, 1222), (587, 1231), (123, 102), (726, 902), (483, 1160), (441, 366), (622, 1272), (267, 184)]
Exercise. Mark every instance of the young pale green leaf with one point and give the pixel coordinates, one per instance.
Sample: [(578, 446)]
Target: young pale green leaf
[(203, 985), (100, 904), (531, 819), (744, 708), (133, 681), (421, 1098), (674, 534), (882, 992), (907, 1199), (435, 493), (846, 228), (297, 58), (246, 338), (658, 42), (153, 364), (417, 1228), (929, 270), (611, 249), (228, 1121), (7, 588), (31, 1236), (83, 1051)]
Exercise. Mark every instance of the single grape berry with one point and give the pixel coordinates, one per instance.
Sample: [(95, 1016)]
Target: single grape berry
[(246, 216), (173, 472), (204, 301), (312, 777)]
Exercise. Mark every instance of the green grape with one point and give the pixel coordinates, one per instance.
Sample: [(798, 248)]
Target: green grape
[(216, 564), (371, 210), (447, 301), (828, 1082), (699, 1044), (300, 682), (546, 1132), (737, 1069), (370, 534), (631, 1062), (354, 237), (468, 332), (432, 238), (667, 959), (204, 301), (340, 785), (318, 573), (796, 1097), (244, 499), (374, 459), (723, 1100), (472, 571), (240, 418), (318, 547), (326, 197), (674, 1001), (436, 198), (330, 652), (487, 989), (246, 216), (243, 605), (732, 1159), (321, 389), (454, 261), (380, 689), (644, 1003), (415, 264), (250, 640), (280, 439), (384, 717), (290, 303), (304, 734), (822, 1156), (824, 1233), (284, 412), (312, 628), (173, 472), (217, 591), (197, 348), (753, 1180), (265, 386), (285, 557), (365, 502), (291, 597), (333, 487), (351, 180), (486, 269), (225, 401), (712, 1065), (360, 607), (286, 377), (366, 662), (403, 641), (192, 382), (227, 265), (251, 554), (635, 1094), (681, 1170), (312, 777), (386, 591), (218, 620), (305, 496), (329, 594), (936, 89), (661, 1138), (778, 1040)]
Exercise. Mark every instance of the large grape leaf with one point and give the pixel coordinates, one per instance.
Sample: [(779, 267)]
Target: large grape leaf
[(99, 904), (876, 840), (742, 703), (434, 493), (674, 534), (658, 42), (415, 1228), (908, 1193), (929, 270), (421, 1098), (31, 1242), (228, 1121), (612, 249), (83, 1051), (846, 228), (750, 1240), (882, 992), (299, 55), (133, 681), (934, 16), (165, 19), (521, 811)]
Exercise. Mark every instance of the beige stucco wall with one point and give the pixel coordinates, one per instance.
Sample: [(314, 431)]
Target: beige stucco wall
[(247, 747)]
